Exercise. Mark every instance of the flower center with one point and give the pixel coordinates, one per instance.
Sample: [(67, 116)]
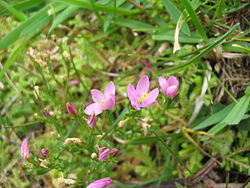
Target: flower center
[(102, 101), (141, 99)]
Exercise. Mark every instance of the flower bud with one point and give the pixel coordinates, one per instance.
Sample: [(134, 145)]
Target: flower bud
[(25, 149), (92, 120), (46, 113), (169, 87), (113, 152), (45, 151), (74, 140), (71, 109), (93, 155)]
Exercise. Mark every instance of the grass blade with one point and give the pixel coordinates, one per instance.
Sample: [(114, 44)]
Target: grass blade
[(63, 16), (175, 13), (99, 7), (30, 26), (195, 19), (202, 53), (19, 15)]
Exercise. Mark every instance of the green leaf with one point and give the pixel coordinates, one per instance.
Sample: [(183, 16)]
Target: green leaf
[(175, 13), (133, 24), (215, 118), (30, 26), (236, 114), (24, 5), (169, 36), (12, 10), (195, 19), (63, 16), (193, 60), (100, 7), (43, 171), (149, 140), (13, 56)]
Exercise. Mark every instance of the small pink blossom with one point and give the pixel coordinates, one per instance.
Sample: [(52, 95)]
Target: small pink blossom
[(45, 151), (92, 120), (169, 87), (101, 183), (102, 101), (46, 113), (25, 149), (103, 153), (113, 152), (71, 109), (140, 97)]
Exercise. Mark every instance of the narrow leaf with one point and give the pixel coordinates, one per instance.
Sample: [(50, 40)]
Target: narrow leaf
[(195, 19)]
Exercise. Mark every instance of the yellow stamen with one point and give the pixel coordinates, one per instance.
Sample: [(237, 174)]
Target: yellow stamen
[(102, 101), (141, 99)]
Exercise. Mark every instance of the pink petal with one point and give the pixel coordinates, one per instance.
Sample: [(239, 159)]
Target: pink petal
[(109, 90), (172, 81), (172, 91), (100, 149), (132, 94), (143, 85), (104, 154), (114, 152), (71, 109), (92, 120), (25, 149), (97, 96), (135, 105), (151, 98), (109, 104), (163, 84), (94, 107), (101, 183)]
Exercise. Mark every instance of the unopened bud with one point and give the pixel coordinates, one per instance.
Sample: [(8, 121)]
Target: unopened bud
[(113, 152), (71, 109), (122, 122), (45, 151), (46, 113), (93, 155), (74, 140), (36, 116)]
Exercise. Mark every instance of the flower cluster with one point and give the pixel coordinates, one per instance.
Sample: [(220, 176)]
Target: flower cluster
[(140, 97), (105, 152)]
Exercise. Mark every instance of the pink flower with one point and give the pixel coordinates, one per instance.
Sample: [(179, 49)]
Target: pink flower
[(92, 120), (169, 87), (25, 149), (140, 97), (45, 151), (101, 183), (46, 113), (103, 153), (113, 152), (102, 101), (71, 109)]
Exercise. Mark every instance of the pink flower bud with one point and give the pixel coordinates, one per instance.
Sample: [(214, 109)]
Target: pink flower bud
[(25, 149), (101, 183), (92, 120), (45, 151), (71, 109), (103, 155), (169, 87), (113, 152), (46, 113)]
